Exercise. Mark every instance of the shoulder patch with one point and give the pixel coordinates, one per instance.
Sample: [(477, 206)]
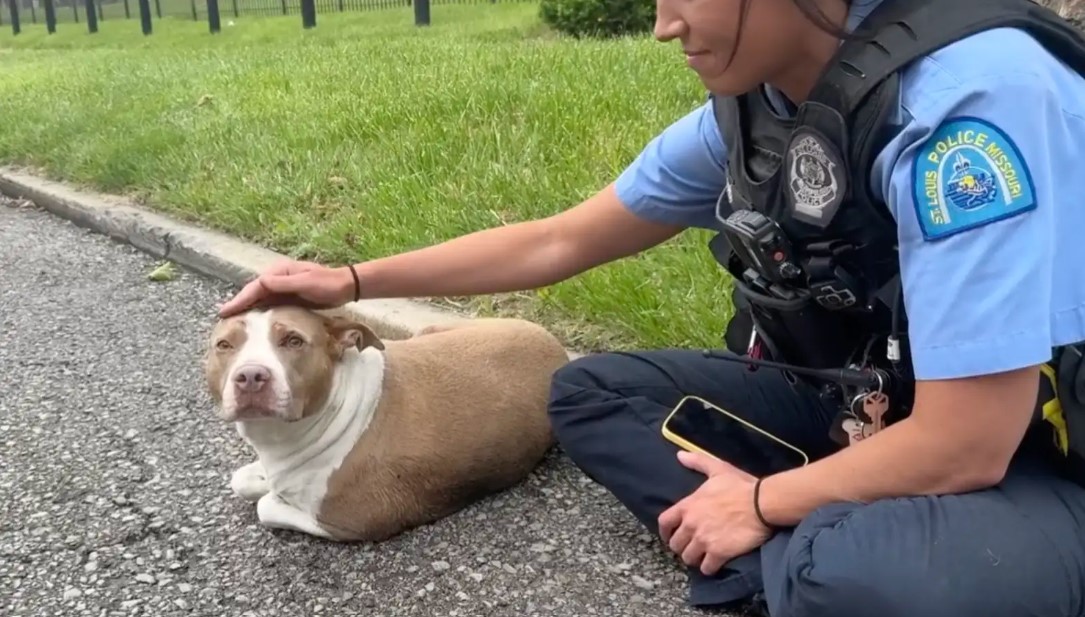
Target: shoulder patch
[(968, 174)]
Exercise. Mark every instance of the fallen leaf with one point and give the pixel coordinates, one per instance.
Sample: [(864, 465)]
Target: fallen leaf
[(164, 272)]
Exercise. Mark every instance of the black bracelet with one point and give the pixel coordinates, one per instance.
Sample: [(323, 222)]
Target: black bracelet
[(357, 283), (757, 505)]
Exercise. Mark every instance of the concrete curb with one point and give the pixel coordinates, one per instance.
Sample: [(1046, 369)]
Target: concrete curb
[(208, 252)]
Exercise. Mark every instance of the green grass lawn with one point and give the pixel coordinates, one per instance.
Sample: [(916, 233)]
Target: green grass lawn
[(367, 136)]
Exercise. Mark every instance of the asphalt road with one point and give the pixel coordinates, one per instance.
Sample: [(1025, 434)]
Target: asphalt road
[(114, 496)]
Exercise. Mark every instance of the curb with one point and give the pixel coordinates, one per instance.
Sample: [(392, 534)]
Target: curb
[(211, 253)]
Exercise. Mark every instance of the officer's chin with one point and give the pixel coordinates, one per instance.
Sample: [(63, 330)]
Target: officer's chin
[(726, 83), (725, 91)]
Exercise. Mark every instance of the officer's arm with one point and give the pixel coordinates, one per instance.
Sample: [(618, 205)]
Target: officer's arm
[(977, 262)]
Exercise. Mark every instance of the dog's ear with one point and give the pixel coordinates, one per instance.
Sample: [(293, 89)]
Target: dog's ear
[(348, 332)]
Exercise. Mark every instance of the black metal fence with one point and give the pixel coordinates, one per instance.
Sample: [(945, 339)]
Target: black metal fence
[(15, 13)]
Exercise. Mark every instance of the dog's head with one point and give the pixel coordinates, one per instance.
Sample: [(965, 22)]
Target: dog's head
[(278, 364)]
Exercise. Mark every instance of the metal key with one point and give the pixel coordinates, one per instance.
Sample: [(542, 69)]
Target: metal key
[(875, 406)]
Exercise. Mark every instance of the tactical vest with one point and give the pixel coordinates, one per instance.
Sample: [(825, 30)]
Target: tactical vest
[(810, 247)]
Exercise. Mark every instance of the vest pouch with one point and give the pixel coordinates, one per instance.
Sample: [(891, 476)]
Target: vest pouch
[(740, 326), (1074, 467), (802, 332), (1069, 368)]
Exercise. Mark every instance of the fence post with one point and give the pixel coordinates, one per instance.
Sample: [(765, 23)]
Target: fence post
[(308, 13), (213, 16), (195, 16), (13, 5), (144, 15), (421, 12), (92, 17), (15, 26), (50, 17)]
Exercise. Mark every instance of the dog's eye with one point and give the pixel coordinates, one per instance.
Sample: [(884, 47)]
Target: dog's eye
[(223, 344), (294, 341)]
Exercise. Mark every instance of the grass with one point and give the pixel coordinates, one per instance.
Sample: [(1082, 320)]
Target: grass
[(368, 136)]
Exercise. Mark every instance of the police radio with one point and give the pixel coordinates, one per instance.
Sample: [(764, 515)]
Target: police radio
[(772, 268), (760, 243)]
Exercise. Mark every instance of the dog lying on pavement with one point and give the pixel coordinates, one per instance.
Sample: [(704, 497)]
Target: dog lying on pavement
[(359, 439)]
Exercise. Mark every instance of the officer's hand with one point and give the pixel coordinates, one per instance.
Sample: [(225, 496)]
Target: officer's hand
[(716, 523), (300, 283)]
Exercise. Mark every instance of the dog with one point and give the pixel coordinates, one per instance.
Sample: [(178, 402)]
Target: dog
[(359, 439)]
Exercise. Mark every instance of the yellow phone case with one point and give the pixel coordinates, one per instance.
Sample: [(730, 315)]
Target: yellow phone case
[(689, 447)]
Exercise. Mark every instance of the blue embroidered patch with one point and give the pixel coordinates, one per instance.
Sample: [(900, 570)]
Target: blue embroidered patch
[(969, 174)]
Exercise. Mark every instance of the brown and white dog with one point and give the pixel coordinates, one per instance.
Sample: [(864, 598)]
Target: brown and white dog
[(359, 439)]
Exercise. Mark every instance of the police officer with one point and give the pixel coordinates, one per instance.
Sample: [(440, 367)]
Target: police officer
[(954, 508)]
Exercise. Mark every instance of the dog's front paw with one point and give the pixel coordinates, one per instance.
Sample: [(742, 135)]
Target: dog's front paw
[(275, 513), (250, 482)]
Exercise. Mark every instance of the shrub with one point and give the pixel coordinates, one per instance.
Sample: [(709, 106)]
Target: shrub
[(599, 18)]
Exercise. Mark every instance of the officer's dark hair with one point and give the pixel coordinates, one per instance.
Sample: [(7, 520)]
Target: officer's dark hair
[(812, 10)]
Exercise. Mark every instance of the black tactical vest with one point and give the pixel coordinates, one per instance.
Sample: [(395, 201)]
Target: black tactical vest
[(812, 250)]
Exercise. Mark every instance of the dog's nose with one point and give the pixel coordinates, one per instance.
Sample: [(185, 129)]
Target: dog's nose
[(251, 377)]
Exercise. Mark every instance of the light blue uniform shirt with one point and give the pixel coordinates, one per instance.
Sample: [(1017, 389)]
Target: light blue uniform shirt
[(985, 182)]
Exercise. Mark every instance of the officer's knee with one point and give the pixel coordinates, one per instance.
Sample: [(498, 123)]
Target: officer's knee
[(598, 372), (589, 396), (578, 383), (835, 567), (848, 590)]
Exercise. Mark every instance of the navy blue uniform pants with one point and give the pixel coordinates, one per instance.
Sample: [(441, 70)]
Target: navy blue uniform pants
[(1015, 550)]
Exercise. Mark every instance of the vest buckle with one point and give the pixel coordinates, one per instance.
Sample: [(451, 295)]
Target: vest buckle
[(841, 292), (831, 285)]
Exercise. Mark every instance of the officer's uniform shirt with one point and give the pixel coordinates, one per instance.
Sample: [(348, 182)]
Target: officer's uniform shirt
[(985, 182)]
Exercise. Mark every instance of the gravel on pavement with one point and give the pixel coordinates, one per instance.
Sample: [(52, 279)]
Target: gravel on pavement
[(114, 496)]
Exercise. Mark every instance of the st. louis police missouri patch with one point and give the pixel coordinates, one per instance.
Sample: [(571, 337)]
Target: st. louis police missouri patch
[(969, 174)]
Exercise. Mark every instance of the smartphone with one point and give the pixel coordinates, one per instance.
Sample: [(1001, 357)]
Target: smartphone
[(699, 426)]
